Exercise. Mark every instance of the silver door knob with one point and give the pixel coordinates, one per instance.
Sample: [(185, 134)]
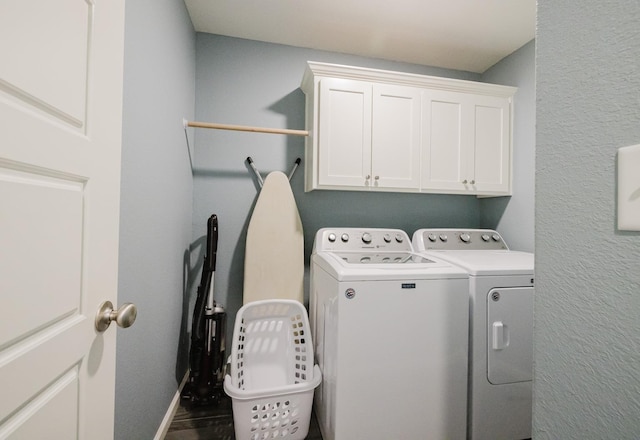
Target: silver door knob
[(125, 316)]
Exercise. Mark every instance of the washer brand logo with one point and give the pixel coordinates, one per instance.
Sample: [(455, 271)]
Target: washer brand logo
[(408, 285)]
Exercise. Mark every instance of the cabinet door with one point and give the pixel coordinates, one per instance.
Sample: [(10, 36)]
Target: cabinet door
[(446, 156), (344, 133), (492, 145), (395, 140)]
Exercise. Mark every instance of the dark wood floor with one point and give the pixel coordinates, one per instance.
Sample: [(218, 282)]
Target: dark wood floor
[(214, 422)]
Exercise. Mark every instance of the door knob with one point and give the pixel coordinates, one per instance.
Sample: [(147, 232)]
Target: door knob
[(125, 316)]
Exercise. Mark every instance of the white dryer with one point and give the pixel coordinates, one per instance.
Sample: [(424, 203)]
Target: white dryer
[(390, 332), (500, 328)]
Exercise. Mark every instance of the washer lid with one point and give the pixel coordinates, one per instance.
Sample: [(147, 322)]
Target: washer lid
[(385, 266), (382, 258), (488, 262)]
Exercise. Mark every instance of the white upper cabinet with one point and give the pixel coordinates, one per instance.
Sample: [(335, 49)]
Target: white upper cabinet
[(369, 135), (377, 130), (466, 143)]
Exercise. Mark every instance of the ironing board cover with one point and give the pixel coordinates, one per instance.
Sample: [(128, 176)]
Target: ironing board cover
[(274, 254)]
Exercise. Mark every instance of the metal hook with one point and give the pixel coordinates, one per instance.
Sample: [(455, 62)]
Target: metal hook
[(259, 177), (255, 171), (295, 167)]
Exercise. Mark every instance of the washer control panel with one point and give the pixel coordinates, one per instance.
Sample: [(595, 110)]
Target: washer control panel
[(457, 239), (355, 239)]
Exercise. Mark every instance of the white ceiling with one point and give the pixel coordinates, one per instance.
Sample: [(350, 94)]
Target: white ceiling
[(469, 35)]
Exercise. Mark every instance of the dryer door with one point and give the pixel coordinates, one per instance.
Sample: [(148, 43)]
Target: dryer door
[(510, 335)]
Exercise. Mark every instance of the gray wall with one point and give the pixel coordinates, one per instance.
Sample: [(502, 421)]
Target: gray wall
[(156, 207), (250, 83), (513, 216), (587, 305)]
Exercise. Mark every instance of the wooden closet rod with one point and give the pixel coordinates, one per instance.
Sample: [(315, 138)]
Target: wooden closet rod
[(245, 128)]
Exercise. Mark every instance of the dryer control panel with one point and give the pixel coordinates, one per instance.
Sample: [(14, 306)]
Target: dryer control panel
[(355, 239), (457, 239)]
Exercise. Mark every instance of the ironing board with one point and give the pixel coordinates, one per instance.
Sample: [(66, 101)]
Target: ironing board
[(274, 254)]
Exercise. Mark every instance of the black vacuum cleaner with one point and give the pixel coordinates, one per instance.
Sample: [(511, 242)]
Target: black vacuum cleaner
[(207, 351)]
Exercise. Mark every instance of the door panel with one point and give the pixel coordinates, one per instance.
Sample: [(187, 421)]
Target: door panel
[(56, 35), (40, 213), (445, 156), (345, 132), (510, 335), (395, 143), (56, 408), (60, 138), (491, 142)]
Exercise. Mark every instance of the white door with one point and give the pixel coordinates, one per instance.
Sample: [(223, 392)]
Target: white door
[(491, 144), (344, 136), (395, 139), (445, 141), (60, 138)]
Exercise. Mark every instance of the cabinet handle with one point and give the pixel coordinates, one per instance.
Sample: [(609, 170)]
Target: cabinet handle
[(473, 182), (368, 176), (377, 177), (464, 181)]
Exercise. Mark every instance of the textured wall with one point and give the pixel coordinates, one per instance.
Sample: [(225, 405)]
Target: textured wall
[(250, 83), (155, 226), (587, 306), (513, 216)]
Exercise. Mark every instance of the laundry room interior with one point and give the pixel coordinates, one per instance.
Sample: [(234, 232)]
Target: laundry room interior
[(562, 203)]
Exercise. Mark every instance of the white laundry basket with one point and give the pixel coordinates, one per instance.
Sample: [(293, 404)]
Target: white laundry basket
[(271, 375)]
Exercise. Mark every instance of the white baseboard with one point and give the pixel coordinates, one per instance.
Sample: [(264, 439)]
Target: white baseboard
[(171, 411)]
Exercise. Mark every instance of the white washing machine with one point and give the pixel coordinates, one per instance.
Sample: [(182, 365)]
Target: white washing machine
[(390, 333), (501, 328)]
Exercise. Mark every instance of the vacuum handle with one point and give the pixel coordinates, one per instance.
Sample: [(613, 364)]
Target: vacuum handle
[(212, 242)]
